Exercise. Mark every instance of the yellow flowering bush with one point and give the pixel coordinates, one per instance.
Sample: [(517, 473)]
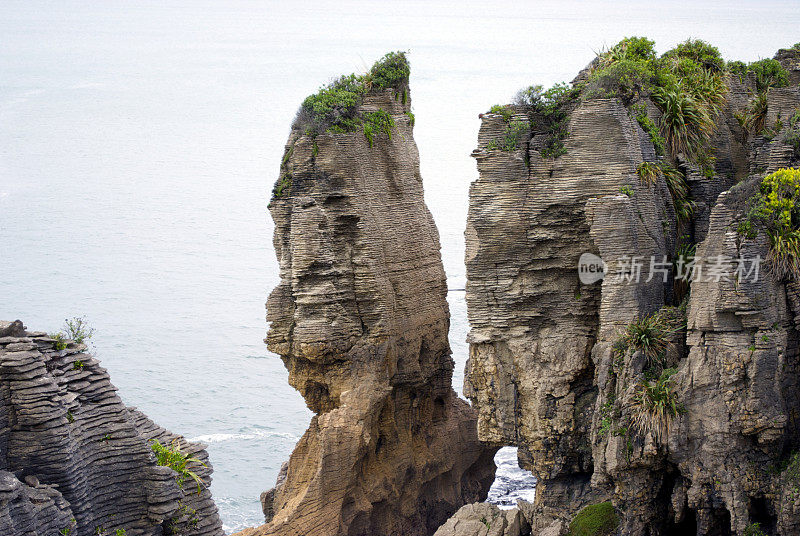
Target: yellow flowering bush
[(779, 209)]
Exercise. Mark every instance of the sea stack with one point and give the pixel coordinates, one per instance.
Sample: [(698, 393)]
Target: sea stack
[(361, 321)]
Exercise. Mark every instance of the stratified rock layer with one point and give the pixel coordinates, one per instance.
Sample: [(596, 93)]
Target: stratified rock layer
[(75, 460), (361, 322), (543, 373)]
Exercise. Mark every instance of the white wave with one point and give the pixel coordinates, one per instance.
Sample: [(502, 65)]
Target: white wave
[(258, 434)]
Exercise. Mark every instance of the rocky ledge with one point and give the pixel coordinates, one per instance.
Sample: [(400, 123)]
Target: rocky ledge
[(74, 460)]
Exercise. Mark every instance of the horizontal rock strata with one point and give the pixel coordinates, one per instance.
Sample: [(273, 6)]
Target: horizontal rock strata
[(75, 460), (361, 321)]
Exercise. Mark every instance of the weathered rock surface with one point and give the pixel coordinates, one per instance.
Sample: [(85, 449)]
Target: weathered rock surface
[(542, 372), (484, 519), (361, 322), (75, 460)]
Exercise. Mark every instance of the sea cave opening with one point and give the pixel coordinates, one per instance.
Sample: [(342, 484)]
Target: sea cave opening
[(511, 482)]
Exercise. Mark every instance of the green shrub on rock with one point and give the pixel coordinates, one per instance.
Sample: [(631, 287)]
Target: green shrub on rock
[(704, 54), (595, 520), (655, 405), (391, 71), (335, 106), (769, 73), (754, 529)]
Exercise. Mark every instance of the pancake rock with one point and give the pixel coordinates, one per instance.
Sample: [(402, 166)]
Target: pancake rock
[(549, 370), (75, 460), (361, 321)]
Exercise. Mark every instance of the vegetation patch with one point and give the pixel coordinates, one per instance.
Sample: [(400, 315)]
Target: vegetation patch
[(335, 106), (648, 173), (792, 134), (650, 334), (776, 209), (179, 462), (505, 111), (686, 84), (75, 329), (375, 123), (649, 126), (655, 405), (550, 111), (595, 520), (511, 138), (754, 529), (679, 191), (61, 341)]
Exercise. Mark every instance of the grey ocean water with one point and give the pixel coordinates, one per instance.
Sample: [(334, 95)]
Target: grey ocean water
[(139, 142)]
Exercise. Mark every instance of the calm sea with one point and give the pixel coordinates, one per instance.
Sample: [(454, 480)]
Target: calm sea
[(139, 142)]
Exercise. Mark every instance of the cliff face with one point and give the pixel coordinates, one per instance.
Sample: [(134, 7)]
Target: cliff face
[(361, 322), (546, 372), (75, 460)]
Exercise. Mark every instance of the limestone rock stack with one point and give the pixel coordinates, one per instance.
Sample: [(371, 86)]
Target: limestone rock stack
[(361, 321), (544, 373), (75, 460)]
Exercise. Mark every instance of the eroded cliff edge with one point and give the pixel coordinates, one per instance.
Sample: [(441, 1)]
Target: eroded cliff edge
[(361, 322), (553, 369), (74, 460)]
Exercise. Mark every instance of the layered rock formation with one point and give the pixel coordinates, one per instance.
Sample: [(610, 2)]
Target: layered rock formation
[(544, 372), (75, 460), (361, 322)]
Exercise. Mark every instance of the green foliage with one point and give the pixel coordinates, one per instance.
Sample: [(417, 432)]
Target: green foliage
[(511, 138), (791, 473), (78, 329), (796, 46), (529, 96), (626, 190), (700, 52), (647, 124), (75, 329), (503, 110), (553, 111), (411, 118), (378, 122), (648, 173), (679, 190), (650, 334), (282, 186), (754, 118), (737, 69), (769, 73), (777, 208), (626, 78), (685, 122), (595, 520), (655, 405), (335, 106), (630, 49), (78, 365), (70, 417), (178, 462), (792, 134), (754, 529), (391, 71), (60, 339), (120, 532)]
